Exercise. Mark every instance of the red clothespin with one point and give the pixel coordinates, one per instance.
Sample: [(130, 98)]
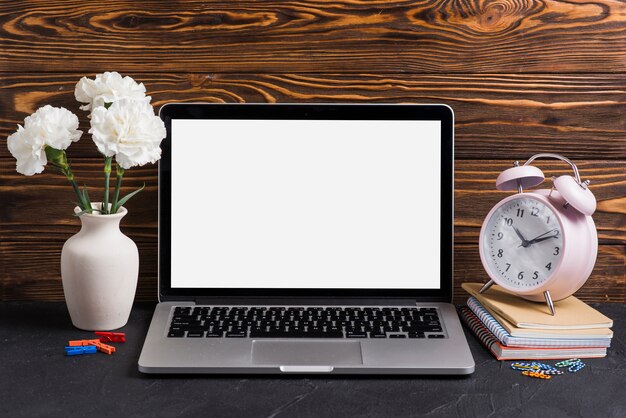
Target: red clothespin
[(111, 337)]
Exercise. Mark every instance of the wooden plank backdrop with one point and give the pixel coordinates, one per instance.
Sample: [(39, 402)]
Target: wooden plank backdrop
[(522, 76)]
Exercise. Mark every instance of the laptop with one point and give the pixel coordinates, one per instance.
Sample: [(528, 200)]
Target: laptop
[(306, 239)]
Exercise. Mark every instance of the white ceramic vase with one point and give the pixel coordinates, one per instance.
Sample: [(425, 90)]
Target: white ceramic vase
[(99, 268)]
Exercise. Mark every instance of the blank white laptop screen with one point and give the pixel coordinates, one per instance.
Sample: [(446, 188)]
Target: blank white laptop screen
[(319, 204)]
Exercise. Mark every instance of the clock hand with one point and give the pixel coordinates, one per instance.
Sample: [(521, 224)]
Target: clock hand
[(536, 240), (542, 237), (545, 233), (524, 240)]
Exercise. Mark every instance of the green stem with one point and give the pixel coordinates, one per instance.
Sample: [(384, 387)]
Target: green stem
[(58, 158), (107, 176), (81, 198), (67, 171), (116, 194)]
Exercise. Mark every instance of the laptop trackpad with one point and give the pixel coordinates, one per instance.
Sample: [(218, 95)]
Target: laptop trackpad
[(306, 353)]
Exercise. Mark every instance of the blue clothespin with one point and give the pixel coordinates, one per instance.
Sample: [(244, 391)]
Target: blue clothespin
[(76, 351)]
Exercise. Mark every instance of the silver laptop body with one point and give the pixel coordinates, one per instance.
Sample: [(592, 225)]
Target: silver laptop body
[(306, 239)]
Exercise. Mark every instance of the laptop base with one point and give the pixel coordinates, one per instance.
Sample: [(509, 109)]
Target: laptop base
[(447, 356)]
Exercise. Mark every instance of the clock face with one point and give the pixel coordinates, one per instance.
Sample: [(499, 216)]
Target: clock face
[(522, 243)]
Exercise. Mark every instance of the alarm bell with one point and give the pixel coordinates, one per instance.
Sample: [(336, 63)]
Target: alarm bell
[(574, 191), (576, 194), (525, 176)]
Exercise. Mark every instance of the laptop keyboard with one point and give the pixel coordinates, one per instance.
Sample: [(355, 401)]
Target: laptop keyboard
[(304, 322)]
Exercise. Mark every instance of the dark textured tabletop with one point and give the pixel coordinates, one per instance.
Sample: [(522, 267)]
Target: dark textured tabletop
[(37, 379)]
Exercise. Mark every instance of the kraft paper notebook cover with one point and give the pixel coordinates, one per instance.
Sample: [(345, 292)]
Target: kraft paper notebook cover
[(571, 313), (510, 335)]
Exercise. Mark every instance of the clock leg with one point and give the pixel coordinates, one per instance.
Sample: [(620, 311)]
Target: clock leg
[(486, 286), (546, 294)]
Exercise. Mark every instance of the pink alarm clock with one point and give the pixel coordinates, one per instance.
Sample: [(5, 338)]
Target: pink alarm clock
[(540, 244)]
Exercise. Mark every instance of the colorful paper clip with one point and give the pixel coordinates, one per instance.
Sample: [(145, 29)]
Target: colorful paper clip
[(574, 368), (538, 375), (525, 366), (544, 366), (519, 364), (78, 350), (111, 337), (552, 372), (567, 363)]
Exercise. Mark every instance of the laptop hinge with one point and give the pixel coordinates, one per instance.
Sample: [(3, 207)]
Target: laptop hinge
[(303, 301)]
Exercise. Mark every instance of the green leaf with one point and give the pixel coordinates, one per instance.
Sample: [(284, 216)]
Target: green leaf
[(86, 196), (128, 196)]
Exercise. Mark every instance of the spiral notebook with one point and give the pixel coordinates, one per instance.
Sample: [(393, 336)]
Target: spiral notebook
[(503, 352), (509, 340), (571, 312)]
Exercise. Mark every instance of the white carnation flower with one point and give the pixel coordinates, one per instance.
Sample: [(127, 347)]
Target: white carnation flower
[(108, 87), (55, 127), (128, 130), (28, 150)]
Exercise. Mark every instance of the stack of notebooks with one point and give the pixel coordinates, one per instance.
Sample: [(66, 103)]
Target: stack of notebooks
[(513, 328)]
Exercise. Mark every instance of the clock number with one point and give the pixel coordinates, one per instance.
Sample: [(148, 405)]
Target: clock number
[(509, 221), (556, 251), (520, 213), (556, 234), (535, 212), (549, 266), (500, 253), (508, 266), (548, 221), (520, 275), (535, 275), (500, 236)]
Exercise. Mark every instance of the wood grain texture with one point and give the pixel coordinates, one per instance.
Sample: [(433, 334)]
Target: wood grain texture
[(475, 194), (348, 36), (25, 216), (523, 76), (37, 276), (32, 234), (607, 282), (40, 207), (508, 115)]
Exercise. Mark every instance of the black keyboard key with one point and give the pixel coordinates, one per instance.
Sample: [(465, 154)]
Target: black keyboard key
[(195, 329), (294, 334), (304, 322), (185, 322), (436, 336)]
